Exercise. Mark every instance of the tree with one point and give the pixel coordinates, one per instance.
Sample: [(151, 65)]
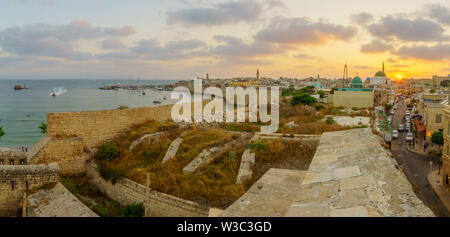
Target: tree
[(432, 91), (388, 107), (1, 132), (309, 89), (43, 128), (303, 98), (445, 83), (437, 137), (321, 93)]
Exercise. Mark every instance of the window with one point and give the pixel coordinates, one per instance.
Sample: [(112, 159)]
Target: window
[(13, 185), (22, 162), (438, 118), (11, 162), (1, 162)]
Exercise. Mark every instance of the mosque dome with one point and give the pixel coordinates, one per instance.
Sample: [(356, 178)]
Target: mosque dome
[(357, 80), (380, 74)]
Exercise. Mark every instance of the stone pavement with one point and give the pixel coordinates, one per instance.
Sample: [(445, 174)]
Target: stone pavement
[(350, 175), (435, 181)]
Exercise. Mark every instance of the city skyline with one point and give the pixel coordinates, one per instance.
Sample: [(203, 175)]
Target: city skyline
[(183, 39)]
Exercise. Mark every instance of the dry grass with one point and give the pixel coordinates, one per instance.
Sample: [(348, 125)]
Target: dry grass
[(282, 154), (213, 184)]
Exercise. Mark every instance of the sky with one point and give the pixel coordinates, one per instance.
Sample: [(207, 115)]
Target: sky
[(183, 39)]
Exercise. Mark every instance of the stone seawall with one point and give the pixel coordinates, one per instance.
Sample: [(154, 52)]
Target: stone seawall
[(15, 180), (126, 192), (97, 127)]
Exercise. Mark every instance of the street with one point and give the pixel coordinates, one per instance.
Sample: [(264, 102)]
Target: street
[(416, 166)]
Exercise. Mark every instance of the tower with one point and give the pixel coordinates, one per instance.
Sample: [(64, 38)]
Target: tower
[(207, 76), (344, 78), (383, 66), (257, 74)]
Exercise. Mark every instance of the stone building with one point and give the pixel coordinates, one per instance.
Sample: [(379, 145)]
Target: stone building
[(354, 97), (431, 110), (436, 80), (446, 153)]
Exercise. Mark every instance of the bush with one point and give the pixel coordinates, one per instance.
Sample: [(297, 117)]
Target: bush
[(330, 120), (319, 107), (134, 210), (303, 98), (43, 128), (110, 174), (257, 145), (108, 151), (321, 93)]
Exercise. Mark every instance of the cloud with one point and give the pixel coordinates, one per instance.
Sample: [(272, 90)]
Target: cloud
[(392, 60), (235, 47), (404, 29), (435, 52), (439, 13), (55, 40), (303, 31), (306, 57), (218, 14), (376, 46), (113, 44), (152, 49), (362, 18)]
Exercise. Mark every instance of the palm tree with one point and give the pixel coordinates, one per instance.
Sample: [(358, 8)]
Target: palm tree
[(1, 132), (43, 128)]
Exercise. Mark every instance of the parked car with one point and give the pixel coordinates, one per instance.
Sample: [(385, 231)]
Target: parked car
[(392, 112), (394, 134), (395, 107), (400, 128), (409, 137), (407, 113)]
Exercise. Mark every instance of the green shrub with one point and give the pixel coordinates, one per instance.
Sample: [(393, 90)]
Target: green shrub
[(303, 98), (109, 174), (319, 107), (257, 145), (43, 128), (437, 137), (134, 210), (108, 151), (330, 120)]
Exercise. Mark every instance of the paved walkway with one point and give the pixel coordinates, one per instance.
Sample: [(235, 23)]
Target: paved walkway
[(436, 183)]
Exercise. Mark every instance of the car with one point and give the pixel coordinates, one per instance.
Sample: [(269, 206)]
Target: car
[(409, 137), (394, 134), (407, 113), (392, 112), (407, 117), (400, 128), (395, 107)]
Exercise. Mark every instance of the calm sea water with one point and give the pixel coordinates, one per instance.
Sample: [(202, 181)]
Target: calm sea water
[(21, 112)]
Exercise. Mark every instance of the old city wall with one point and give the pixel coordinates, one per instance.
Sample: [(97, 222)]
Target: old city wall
[(97, 127), (66, 152), (126, 192), (15, 180), (8, 157)]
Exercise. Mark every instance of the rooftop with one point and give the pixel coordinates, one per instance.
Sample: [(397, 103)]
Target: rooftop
[(340, 182)]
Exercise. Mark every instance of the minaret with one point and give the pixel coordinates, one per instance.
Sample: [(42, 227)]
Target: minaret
[(383, 66), (257, 74), (207, 76)]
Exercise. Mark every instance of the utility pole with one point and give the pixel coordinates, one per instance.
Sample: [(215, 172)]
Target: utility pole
[(147, 197)]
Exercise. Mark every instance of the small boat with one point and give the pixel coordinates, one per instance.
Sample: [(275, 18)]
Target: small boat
[(19, 87), (156, 102), (53, 94)]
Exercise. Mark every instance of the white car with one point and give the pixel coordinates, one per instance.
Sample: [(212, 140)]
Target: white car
[(400, 128), (392, 112), (407, 113), (395, 107), (394, 134), (409, 137)]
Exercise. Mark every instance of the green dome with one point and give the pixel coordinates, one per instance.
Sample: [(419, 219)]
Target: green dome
[(380, 74), (357, 80)]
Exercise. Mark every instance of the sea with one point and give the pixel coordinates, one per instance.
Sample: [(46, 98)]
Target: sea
[(22, 111)]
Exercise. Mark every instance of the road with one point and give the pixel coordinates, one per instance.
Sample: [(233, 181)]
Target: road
[(416, 167)]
